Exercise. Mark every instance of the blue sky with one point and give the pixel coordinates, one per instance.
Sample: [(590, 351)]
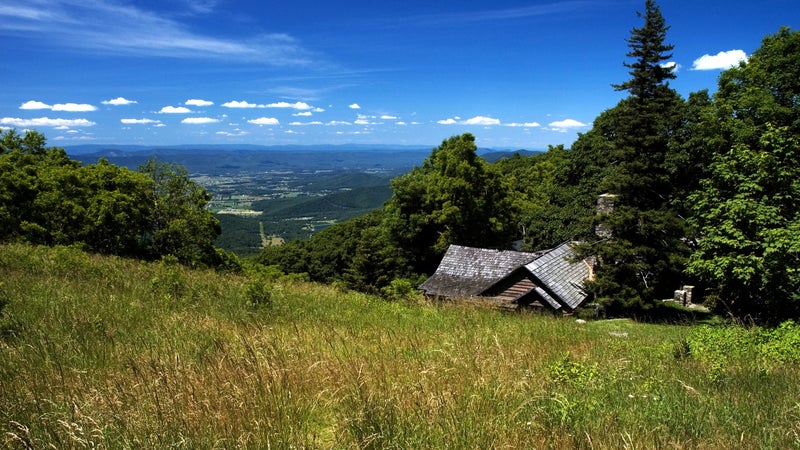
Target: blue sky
[(516, 74)]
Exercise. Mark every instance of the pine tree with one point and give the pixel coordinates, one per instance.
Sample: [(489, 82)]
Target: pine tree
[(645, 257), (650, 69)]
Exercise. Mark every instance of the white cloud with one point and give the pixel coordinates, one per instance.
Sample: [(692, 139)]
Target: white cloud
[(95, 27), (388, 117), (74, 107), (566, 125), (175, 110), (354, 106), (524, 125), (298, 105), (722, 60), (318, 110), (198, 102), (400, 123), (33, 104), (481, 120), (138, 121), (45, 122), (67, 107), (477, 120), (119, 101), (235, 133), (337, 122), (264, 121), (199, 120), (303, 114), (241, 104), (295, 124)]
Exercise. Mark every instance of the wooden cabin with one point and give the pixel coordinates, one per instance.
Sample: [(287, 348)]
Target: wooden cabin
[(509, 279)]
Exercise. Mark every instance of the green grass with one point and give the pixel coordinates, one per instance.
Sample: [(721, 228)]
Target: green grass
[(112, 353)]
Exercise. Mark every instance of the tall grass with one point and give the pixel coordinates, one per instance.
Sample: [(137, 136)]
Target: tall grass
[(112, 353)]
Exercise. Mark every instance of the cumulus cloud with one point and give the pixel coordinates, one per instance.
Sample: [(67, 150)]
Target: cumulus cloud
[(354, 106), (722, 60), (524, 125), (74, 107), (303, 114), (67, 107), (388, 117), (566, 125), (264, 121), (298, 105), (119, 101), (175, 110), (33, 104), (45, 122), (198, 102), (481, 120), (199, 120), (477, 120), (241, 104), (295, 124), (138, 121)]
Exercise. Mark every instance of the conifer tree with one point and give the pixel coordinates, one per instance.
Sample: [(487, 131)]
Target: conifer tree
[(645, 257)]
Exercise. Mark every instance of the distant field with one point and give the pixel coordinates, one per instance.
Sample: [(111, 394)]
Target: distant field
[(111, 353)]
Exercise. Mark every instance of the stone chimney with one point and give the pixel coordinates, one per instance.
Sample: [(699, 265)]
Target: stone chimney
[(605, 206)]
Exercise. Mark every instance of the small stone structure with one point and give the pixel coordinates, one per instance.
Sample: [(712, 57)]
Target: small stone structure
[(605, 206), (684, 296)]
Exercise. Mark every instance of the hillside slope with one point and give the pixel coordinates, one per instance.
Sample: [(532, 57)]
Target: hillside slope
[(114, 353)]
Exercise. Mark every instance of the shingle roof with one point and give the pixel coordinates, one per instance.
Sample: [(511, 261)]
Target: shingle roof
[(469, 271), (561, 275)]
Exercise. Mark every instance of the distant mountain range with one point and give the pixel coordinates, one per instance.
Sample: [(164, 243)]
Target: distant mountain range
[(241, 159)]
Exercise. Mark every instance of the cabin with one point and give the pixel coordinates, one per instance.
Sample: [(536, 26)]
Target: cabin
[(509, 279)]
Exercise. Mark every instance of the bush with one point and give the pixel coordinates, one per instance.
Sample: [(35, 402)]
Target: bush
[(258, 292)]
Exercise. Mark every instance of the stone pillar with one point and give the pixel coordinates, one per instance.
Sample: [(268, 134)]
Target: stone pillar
[(605, 206)]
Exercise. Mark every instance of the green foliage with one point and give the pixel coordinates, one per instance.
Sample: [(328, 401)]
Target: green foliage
[(565, 370), (747, 210), (258, 291), (633, 152), (648, 71), (402, 289), (47, 198), (726, 351), (546, 211), (455, 197), (180, 225)]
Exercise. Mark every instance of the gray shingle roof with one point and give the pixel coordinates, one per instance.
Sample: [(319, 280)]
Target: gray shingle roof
[(561, 275), (469, 271)]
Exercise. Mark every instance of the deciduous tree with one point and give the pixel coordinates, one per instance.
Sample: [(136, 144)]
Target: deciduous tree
[(748, 210)]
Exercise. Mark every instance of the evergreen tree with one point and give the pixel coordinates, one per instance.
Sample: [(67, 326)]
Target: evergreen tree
[(626, 154)]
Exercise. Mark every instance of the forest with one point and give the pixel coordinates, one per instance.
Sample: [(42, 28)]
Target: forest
[(706, 187)]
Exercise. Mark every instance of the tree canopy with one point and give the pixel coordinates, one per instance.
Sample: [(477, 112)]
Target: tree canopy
[(455, 197), (748, 209), (47, 198)]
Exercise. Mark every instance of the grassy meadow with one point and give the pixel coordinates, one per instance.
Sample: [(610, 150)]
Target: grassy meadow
[(100, 352)]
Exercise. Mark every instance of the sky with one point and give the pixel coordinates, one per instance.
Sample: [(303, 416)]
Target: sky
[(516, 74)]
